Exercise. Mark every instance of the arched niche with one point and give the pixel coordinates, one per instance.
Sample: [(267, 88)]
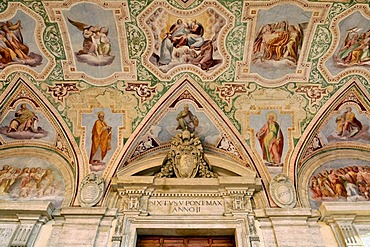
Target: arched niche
[(340, 161), (36, 174)]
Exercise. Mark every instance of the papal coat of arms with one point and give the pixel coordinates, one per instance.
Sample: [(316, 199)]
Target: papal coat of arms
[(186, 158)]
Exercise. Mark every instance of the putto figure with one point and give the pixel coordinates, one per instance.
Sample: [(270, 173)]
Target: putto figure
[(101, 140), (96, 45)]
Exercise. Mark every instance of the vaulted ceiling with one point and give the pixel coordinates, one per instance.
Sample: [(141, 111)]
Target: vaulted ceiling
[(275, 87)]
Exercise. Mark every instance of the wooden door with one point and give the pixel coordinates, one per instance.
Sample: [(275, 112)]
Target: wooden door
[(164, 241)]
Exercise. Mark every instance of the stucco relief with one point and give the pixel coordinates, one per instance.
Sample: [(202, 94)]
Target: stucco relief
[(91, 190), (191, 40), (92, 44), (186, 158), (282, 191), (187, 114), (240, 112)]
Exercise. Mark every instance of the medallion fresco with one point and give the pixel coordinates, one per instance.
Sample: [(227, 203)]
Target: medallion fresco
[(14, 48), (20, 48), (353, 47), (347, 52), (280, 32), (94, 42), (278, 43), (97, 47), (186, 40), (29, 178)]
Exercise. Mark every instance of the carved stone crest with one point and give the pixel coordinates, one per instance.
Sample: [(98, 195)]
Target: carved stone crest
[(91, 191), (186, 158), (282, 191)]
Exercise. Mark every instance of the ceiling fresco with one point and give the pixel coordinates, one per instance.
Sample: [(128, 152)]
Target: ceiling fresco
[(267, 87)]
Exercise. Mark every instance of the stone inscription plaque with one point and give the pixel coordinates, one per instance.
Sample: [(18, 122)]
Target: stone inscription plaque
[(363, 232), (164, 206), (6, 233)]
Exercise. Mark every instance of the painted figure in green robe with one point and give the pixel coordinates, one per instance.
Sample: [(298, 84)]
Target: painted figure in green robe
[(271, 140)]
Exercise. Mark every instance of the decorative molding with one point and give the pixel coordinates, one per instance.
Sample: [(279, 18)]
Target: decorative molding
[(143, 90), (228, 90), (61, 90)]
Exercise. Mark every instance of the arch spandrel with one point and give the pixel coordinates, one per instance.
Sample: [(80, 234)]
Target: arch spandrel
[(46, 126), (328, 138), (39, 126), (322, 132), (214, 129), (116, 201), (223, 149), (150, 164)]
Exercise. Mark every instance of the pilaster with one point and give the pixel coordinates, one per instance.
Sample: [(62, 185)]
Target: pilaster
[(20, 222)]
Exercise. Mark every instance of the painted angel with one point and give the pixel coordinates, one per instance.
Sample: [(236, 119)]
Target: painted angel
[(96, 45)]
